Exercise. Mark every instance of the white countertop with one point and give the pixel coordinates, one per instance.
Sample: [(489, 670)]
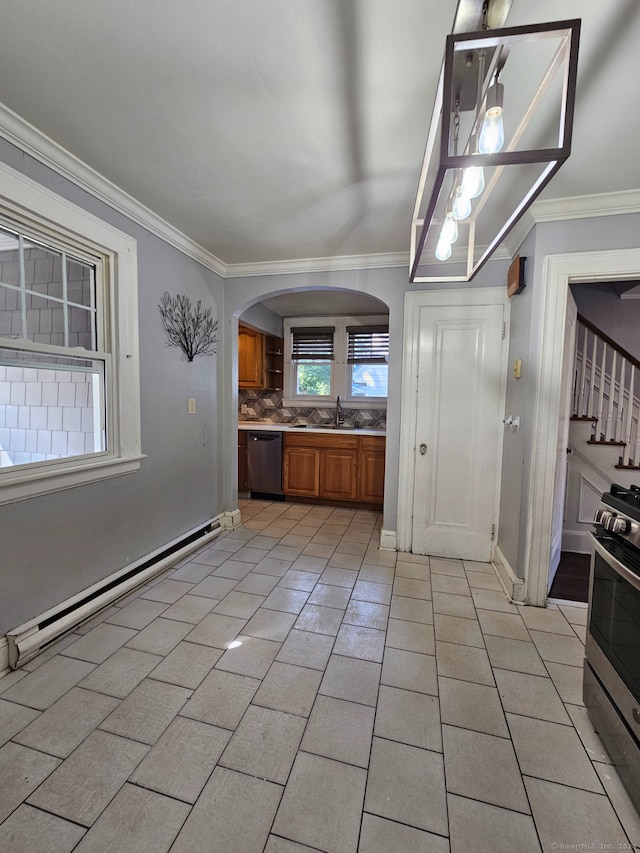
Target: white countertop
[(271, 427)]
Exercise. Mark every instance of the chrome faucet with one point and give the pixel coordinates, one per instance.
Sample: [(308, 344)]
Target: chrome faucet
[(339, 418)]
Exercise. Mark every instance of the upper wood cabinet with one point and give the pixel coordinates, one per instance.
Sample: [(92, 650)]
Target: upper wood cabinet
[(250, 358), (260, 360)]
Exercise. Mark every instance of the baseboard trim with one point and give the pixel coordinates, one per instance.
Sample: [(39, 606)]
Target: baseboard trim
[(577, 542), (388, 540), (4, 657), (231, 520), (30, 638), (515, 587)]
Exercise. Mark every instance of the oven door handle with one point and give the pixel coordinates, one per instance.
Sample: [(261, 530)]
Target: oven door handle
[(619, 567)]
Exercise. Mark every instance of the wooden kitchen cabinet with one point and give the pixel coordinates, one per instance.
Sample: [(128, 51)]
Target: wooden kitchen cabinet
[(371, 469), (338, 474), (301, 471), (334, 468), (250, 358), (260, 360)]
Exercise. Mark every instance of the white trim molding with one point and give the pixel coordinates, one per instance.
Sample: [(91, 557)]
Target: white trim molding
[(514, 586), (32, 141), (558, 272), (4, 657), (231, 519), (43, 214), (388, 540)]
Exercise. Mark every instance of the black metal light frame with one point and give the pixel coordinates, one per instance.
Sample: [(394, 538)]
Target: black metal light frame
[(449, 89)]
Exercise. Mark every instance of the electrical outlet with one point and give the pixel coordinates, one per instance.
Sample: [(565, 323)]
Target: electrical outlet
[(243, 409), (192, 405)]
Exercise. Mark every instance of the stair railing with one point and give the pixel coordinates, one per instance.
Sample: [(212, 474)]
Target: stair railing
[(607, 391)]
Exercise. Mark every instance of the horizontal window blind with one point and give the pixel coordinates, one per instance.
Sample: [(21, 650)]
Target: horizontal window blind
[(368, 344), (312, 343)]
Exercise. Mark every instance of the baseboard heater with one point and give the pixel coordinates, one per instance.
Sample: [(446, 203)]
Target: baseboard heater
[(28, 640)]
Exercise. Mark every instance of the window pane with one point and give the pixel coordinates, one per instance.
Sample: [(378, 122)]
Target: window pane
[(43, 304), (369, 380), (54, 407), (313, 378)]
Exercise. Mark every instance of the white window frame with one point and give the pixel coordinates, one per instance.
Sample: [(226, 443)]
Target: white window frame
[(43, 215), (340, 368)]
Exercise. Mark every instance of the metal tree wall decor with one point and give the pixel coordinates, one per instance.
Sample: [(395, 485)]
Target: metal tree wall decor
[(191, 329)]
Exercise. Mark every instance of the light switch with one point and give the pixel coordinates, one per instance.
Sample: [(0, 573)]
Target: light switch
[(517, 368), (192, 405)]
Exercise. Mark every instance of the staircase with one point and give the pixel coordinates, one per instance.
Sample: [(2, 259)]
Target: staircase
[(604, 440), (606, 394)]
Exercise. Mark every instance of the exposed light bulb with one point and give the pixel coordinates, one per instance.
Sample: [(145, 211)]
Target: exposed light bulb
[(443, 250), (449, 233), (491, 137), (461, 204), (472, 182)]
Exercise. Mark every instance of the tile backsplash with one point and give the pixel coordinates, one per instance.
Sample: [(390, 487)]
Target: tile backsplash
[(267, 406)]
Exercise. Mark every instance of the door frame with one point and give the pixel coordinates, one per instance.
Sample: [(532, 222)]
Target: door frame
[(460, 298), (559, 271)]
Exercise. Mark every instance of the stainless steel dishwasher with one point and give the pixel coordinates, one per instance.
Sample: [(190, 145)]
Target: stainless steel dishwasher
[(264, 459)]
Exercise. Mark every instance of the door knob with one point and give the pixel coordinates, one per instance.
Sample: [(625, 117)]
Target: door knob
[(422, 449)]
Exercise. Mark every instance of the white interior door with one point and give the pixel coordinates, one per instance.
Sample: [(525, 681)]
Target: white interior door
[(458, 429), (560, 483)]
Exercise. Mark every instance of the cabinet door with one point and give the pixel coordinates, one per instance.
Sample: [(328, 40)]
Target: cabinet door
[(250, 358), (338, 474), (301, 471), (371, 476)]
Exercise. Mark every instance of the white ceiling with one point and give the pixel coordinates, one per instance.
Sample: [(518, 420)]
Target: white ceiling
[(287, 129)]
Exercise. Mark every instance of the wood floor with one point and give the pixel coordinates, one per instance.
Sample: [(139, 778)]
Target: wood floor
[(571, 582)]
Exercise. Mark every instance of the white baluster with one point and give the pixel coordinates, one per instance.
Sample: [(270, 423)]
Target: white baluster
[(603, 364), (592, 376), (620, 411), (626, 455), (583, 370), (608, 432)]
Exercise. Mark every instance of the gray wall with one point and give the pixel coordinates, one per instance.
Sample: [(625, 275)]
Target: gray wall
[(553, 238), (56, 545)]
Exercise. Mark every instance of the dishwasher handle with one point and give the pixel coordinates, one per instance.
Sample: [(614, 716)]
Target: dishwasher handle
[(265, 436)]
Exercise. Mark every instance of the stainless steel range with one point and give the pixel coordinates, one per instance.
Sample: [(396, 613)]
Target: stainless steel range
[(612, 649)]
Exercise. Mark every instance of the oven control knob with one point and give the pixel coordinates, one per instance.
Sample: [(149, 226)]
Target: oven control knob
[(601, 516), (620, 525)]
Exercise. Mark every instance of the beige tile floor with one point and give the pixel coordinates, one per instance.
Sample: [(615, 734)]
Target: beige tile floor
[(291, 689)]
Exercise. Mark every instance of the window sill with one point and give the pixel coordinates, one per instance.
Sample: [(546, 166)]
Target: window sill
[(30, 484)]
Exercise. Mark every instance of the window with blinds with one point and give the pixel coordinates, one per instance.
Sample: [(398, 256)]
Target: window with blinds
[(368, 344), (312, 354), (367, 355), (335, 356), (312, 344)]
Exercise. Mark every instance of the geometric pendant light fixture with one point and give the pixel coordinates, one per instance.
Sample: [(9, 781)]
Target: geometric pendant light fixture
[(500, 129)]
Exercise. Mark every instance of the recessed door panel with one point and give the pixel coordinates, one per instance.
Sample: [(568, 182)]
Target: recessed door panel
[(458, 422)]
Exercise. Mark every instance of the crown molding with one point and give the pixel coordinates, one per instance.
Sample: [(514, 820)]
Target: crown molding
[(307, 265), (586, 206), (32, 141), (573, 207)]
